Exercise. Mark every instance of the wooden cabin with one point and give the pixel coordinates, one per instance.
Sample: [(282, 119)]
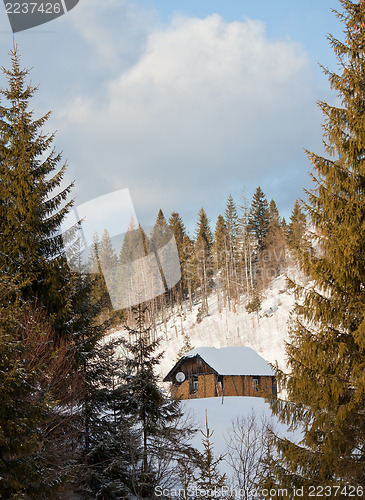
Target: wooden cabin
[(207, 372)]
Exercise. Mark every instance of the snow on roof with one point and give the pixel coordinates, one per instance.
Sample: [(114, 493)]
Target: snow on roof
[(233, 360)]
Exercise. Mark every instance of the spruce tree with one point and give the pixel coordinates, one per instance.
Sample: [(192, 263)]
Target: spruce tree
[(160, 221), (220, 244), (155, 416), (203, 257), (259, 217), (111, 445), (273, 258), (185, 348), (30, 211), (209, 480), (231, 220), (183, 244), (36, 380), (297, 228), (325, 386), (233, 258)]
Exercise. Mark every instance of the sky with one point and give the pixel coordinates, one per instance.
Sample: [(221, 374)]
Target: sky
[(183, 102)]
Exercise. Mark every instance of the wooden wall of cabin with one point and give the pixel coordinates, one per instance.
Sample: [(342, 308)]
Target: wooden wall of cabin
[(234, 385), (180, 391)]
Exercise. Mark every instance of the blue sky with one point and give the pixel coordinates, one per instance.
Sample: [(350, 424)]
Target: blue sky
[(183, 101)]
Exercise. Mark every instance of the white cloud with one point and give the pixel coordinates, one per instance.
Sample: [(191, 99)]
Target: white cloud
[(208, 105)]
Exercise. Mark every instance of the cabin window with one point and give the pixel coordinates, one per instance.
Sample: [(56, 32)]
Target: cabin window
[(256, 384), (194, 385)]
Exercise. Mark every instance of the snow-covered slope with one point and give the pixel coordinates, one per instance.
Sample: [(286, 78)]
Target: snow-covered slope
[(265, 332)]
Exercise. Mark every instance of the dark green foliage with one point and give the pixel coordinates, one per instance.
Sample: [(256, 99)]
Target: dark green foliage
[(326, 388), (36, 379), (184, 248), (30, 215), (161, 440), (203, 257), (220, 243), (110, 444), (231, 221), (259, 217), (254, 304), (203, 232)]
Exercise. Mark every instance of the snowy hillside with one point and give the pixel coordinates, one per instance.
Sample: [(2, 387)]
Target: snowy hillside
[(265, 332)]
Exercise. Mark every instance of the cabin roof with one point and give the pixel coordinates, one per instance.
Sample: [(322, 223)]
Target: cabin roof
[(228, 361)]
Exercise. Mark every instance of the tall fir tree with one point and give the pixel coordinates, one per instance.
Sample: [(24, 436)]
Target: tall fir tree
[(297, 228), (233, 254), (155, 415), (325, 386), (37, 378), (203, 257), (259, 217), (231, 220), (273, 258), (183, 244), (30, 211), (220, 244)]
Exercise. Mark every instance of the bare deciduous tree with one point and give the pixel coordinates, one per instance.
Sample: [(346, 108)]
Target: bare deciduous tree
[(247, 445)]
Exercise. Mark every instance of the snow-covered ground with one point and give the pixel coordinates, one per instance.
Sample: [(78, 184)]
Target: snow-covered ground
[(220, 418), (265, 332)]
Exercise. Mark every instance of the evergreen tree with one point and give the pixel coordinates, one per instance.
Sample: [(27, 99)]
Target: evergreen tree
[(158, 244), (222, 260), (203, 257), (154, 414), (186, 347), (259, 217), (231, 220), (297, 228), (30, 212), (183, 244), (106, 253), (133, 275), (220, 244), (160, 221), (36, 379), (209, 479), (325, 387), (273, 259), (112, 445), (102, 257)]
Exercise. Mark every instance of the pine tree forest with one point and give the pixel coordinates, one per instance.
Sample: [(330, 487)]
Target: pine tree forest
[(83, 411)]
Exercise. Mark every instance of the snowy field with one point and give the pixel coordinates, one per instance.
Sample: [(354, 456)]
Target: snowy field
[(220, 416)]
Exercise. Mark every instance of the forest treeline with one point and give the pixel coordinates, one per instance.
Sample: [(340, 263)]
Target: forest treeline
[(248, 247)]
